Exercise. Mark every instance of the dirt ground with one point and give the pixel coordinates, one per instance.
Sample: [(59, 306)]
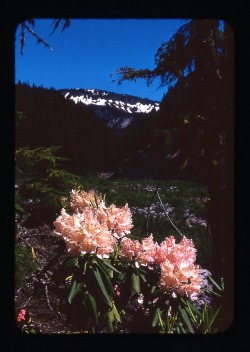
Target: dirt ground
[(40, 299)]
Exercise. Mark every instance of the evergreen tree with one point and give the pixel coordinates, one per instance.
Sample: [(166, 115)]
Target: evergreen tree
[(197, 63), (52, 120)]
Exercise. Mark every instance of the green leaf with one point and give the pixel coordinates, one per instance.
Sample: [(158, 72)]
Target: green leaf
[(121, 276), (178, 329), (32, 331), (106, 276), (110, 326), (191, 315), (110, 266), (186, 320), (85, 266), (143, 277), (111, 315), (214, 283), (212, 318), (142, 271), (96, 201), (72, 262), (116, 313), (93, 306), (214, 293), (100, 283), (103, 268), (153, 289), (156, 317), (182, 329), (136, 283), (75, 288), (193, 309)]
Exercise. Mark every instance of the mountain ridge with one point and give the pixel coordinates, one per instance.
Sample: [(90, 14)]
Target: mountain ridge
[(118, 110)]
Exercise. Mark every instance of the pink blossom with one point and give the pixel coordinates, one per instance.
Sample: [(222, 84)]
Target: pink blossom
[(168, 249), (93, 227), (119, 220), (180, 279), (21, 315), (143, 253), (128, 248), (81, 199), (83, 233), (179, 275), (146, 253)]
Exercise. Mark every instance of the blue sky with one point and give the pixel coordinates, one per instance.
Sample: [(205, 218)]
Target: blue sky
[(86, 53)]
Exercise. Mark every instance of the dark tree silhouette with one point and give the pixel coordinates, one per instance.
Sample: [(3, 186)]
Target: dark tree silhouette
[(198, 64), (29, 25)]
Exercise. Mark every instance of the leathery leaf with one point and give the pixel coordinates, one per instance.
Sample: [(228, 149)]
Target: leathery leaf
[(101, 285)]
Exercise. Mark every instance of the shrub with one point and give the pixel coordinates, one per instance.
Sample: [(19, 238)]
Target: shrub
[(41, 184), (24, 265), (112, 274)]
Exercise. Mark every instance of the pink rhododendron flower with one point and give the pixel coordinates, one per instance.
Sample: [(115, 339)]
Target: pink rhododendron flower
[(21, 315), (129, 248), (178, 280), (81, 199), (93, 227), (143, 253), (179, 274), (83, 233), (168, 249), (117, 292), (119, 220), (146, 253)]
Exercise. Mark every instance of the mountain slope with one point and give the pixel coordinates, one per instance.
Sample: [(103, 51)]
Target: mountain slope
[(118, 110)]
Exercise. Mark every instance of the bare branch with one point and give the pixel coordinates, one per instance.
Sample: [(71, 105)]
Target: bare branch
[(31, 22), (149, 206), (166, 212), (39, 39)]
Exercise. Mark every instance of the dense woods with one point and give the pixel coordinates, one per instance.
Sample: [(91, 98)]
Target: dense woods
[(50, 120)]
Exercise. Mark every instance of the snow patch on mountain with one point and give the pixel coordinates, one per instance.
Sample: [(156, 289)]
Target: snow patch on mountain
[(118, 110)]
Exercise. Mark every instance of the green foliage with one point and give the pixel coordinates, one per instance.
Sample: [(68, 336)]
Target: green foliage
[(148, 215), (41, 184), (37, 160), (188, 319), (24, 265), (91, 293), (100, 290)]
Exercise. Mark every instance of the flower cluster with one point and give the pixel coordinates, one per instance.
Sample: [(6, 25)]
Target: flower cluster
[(178, 273), (93, 227), (143, 253), (81, 199), (24, 322), (21, 315)]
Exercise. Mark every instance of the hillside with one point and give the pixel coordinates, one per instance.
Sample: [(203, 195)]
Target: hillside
[(117, 110)]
